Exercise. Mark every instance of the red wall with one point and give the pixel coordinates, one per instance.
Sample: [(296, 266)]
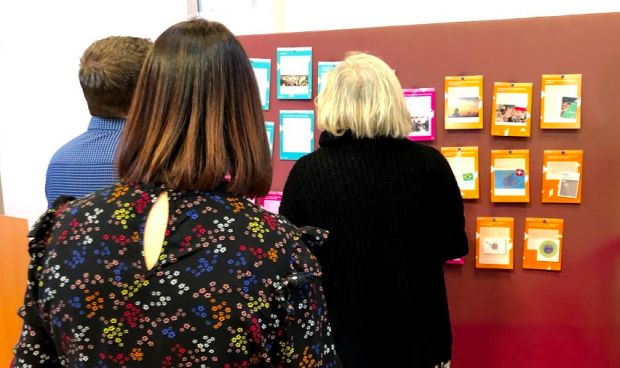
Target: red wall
[(517, 318)]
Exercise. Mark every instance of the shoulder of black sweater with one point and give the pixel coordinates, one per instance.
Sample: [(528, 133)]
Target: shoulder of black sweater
[(328, 140), (430, 150)]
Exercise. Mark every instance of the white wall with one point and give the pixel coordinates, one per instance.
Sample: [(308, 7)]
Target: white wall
[(41, 103), (243, 16), (270, 16), (303, 15)]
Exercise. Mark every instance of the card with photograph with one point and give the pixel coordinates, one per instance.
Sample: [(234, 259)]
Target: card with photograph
[(463, 102), (421, 105), (562, 176), (295, 73), (513, 107), (560, 106)]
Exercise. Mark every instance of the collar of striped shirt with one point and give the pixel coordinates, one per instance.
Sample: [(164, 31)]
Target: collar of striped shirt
[(97, 123)]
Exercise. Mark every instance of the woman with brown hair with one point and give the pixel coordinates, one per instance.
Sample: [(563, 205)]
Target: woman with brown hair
[(172, 266)]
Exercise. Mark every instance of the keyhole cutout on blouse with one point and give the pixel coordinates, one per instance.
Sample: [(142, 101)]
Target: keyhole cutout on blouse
[(155, 230)]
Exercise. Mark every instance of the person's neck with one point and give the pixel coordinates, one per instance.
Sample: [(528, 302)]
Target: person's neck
[(110, 117), (116, 116)]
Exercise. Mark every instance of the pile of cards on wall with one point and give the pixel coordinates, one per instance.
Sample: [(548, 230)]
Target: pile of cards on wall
[(509, 174)]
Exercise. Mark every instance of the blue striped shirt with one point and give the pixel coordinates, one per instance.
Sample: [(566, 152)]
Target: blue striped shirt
[(86, 163)]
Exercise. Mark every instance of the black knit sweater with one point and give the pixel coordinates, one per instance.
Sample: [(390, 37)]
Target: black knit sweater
[(395, 215)]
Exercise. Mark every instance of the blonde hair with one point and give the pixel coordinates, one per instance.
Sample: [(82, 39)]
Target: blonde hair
[(362, 94)]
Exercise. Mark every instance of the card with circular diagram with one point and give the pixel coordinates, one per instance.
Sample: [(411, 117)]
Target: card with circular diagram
[(543, 244)]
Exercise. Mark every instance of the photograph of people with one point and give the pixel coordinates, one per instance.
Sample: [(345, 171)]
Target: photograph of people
[(510, 114), (293, 80), (420, 124)]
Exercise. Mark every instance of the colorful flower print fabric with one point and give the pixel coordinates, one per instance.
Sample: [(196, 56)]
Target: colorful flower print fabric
[(235, 286)]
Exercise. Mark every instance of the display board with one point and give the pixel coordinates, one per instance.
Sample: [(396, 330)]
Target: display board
[(521, 317)]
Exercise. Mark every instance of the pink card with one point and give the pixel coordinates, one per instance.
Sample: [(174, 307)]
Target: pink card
[(272, 202), (421, 106), (459, 261)]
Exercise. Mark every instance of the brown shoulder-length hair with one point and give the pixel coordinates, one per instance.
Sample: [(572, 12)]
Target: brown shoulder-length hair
[(196, 115), (109, 71)]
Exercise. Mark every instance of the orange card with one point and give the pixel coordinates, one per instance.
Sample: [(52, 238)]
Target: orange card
[(464, 164), (562, 176), (463, 102), (560, 105), (494, 242), (510, 171), (542, 249), (513, 109)]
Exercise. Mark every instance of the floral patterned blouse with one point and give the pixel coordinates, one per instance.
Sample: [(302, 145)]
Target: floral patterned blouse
[(234, 286)]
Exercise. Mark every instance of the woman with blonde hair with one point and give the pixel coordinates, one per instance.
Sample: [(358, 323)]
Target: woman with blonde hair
[(172, 267), (395, 216)]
